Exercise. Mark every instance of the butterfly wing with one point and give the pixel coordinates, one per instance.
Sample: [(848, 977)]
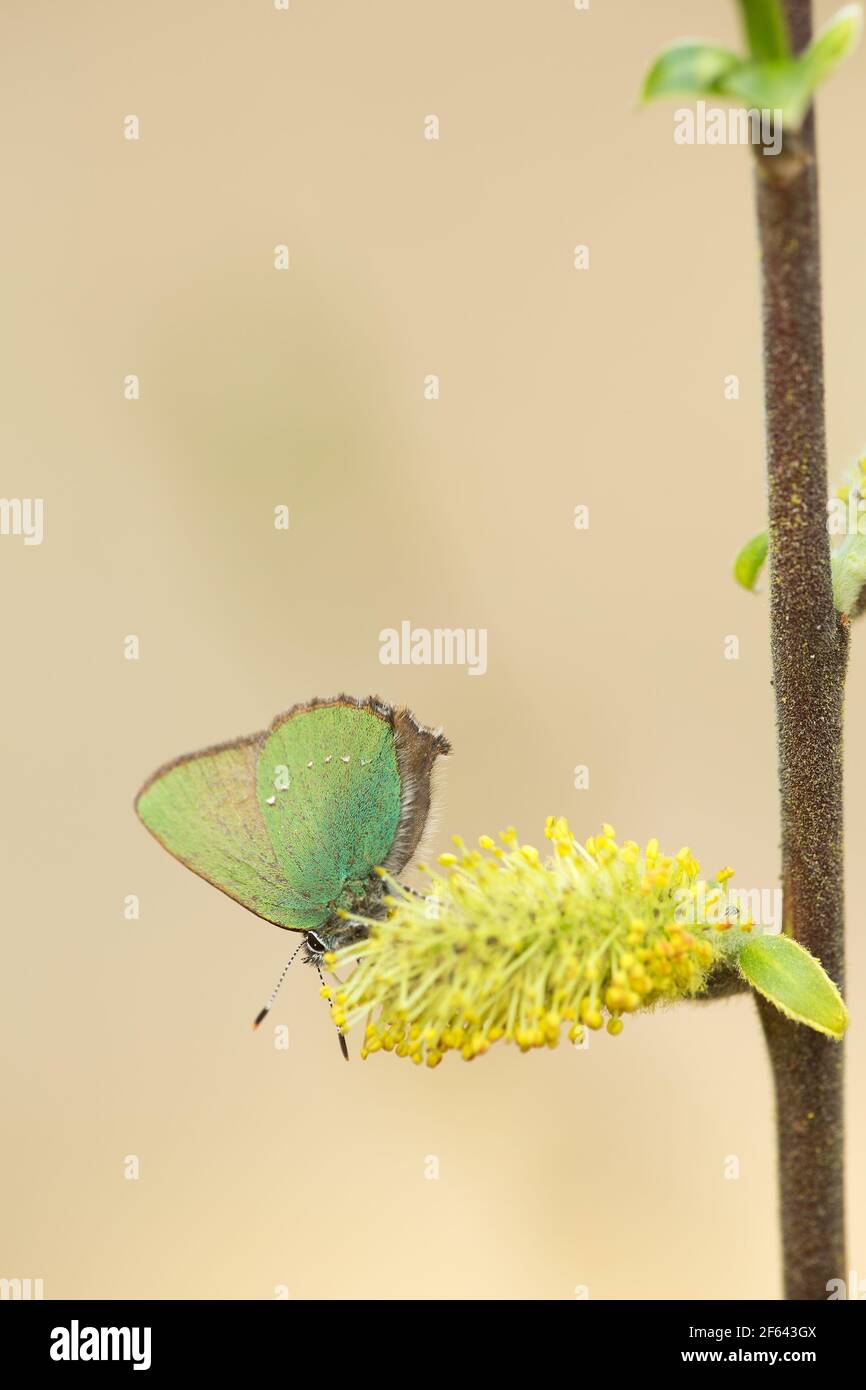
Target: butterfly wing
[(329, 790), (282, 822), (204, 810)]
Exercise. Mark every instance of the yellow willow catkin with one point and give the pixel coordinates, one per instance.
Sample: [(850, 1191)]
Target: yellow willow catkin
[(509, 946)]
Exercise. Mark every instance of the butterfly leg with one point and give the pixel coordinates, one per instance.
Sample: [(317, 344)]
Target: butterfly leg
[(431, 901), (344, 1046)]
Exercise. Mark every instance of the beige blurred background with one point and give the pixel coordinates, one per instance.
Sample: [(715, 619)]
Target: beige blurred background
[(262, 1168)]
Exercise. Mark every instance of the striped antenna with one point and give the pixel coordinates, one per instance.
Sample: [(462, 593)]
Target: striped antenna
[(267, 1008), (344, 1046)]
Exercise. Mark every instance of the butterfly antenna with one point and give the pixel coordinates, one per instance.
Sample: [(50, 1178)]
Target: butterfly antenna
[(262, 1013), (344, 1046)]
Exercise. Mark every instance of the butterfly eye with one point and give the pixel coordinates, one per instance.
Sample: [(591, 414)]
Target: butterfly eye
[(316, 943)]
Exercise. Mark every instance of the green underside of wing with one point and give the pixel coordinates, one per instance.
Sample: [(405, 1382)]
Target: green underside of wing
[(205, 812), (337, 817)]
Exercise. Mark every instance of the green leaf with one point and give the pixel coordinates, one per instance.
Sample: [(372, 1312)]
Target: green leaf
[(766, 29), (780, 969), (750, 561), (687, 68), (848, 568), (771, 78), (833, 44), (781, 85), (788, 84)]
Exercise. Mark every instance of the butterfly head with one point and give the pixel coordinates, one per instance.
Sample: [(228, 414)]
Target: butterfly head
[(315, 947), (332, 936)]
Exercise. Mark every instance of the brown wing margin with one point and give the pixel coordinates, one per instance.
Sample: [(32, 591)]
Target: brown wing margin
[(417, 749)]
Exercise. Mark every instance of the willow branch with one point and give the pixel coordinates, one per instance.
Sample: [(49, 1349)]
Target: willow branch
[(809, 649)]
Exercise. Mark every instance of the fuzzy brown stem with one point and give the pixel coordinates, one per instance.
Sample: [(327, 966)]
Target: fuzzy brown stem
[(723, 983), (809, 649)]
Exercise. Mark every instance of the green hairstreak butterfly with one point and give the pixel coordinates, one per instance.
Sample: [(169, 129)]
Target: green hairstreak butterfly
[(293, 822)]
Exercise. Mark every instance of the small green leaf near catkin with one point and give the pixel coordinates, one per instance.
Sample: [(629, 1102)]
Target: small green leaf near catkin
[(750, 561), (785, 973), (848, 569)]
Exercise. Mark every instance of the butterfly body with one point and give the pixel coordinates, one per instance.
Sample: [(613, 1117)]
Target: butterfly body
[(294, 822)]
